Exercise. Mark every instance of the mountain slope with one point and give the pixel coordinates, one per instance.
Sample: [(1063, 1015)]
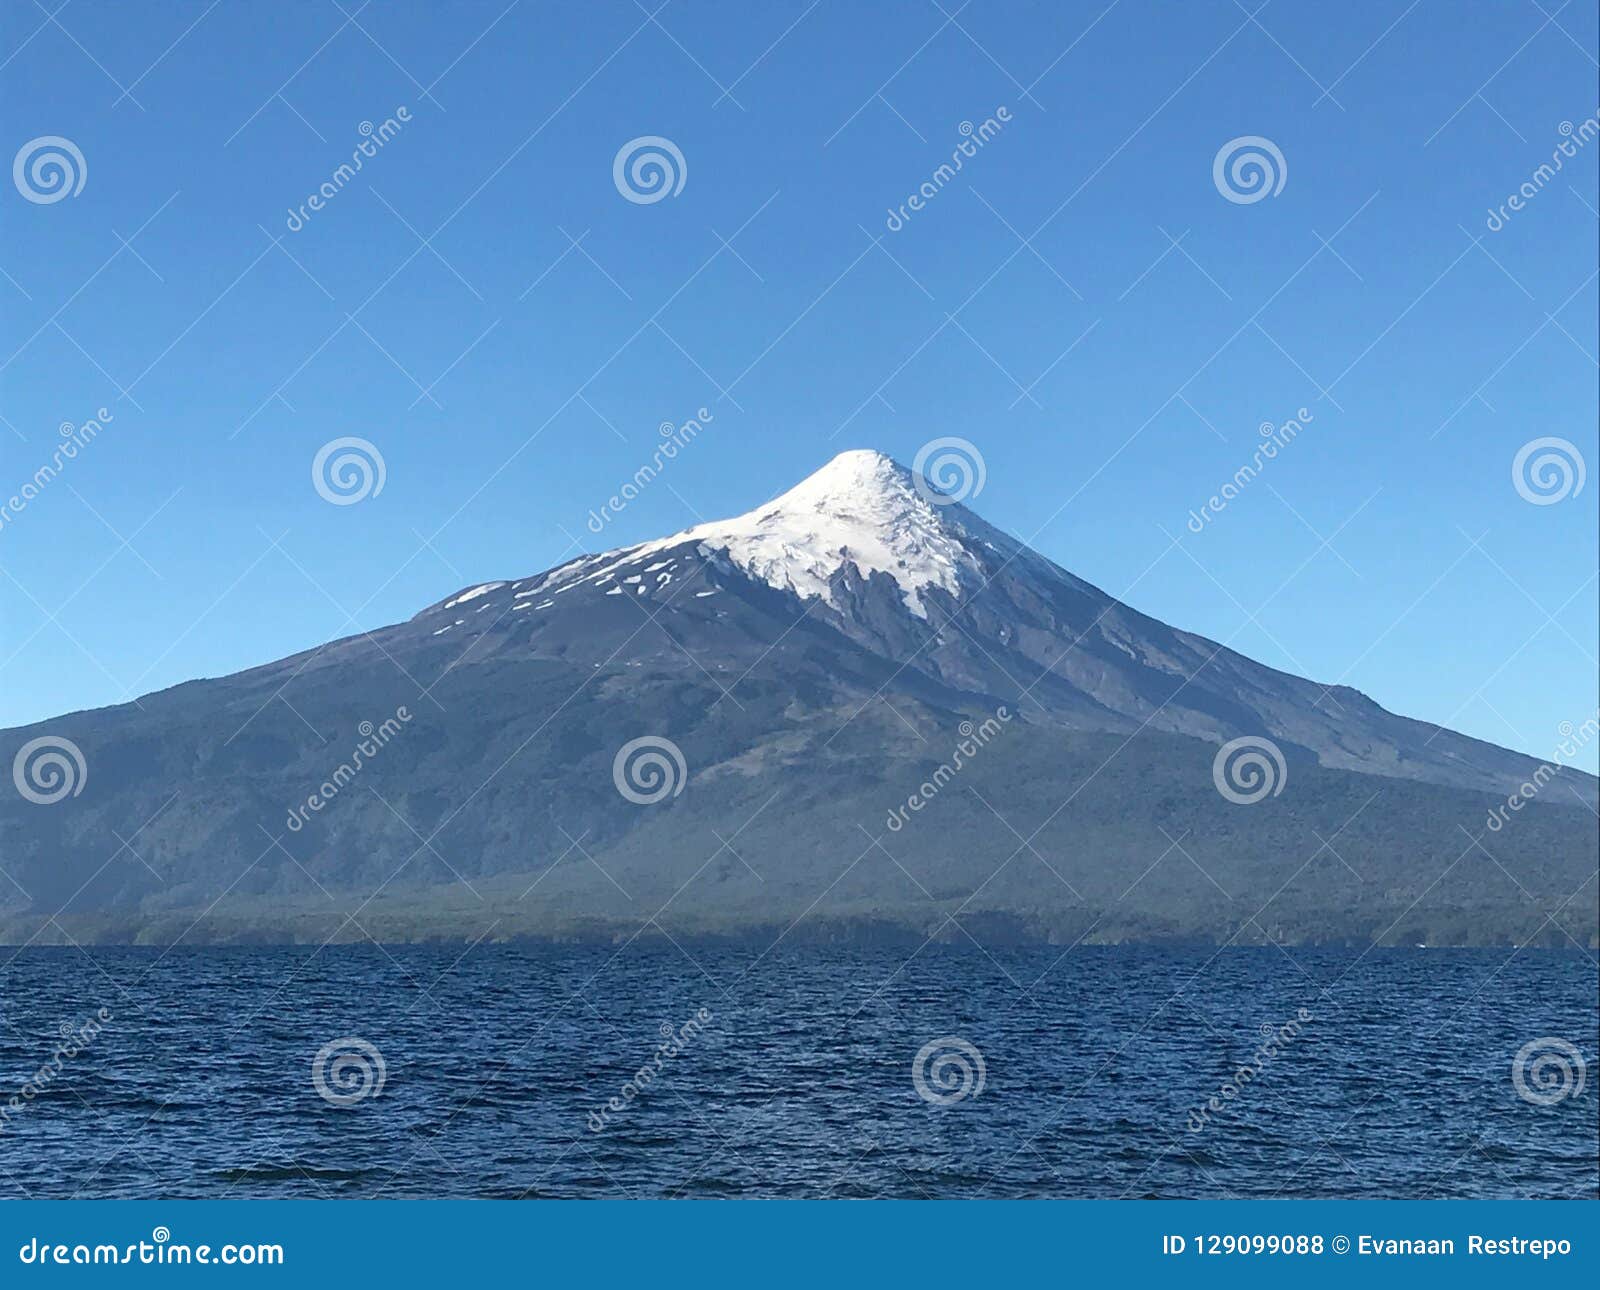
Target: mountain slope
[(859, 546), (816, 663)]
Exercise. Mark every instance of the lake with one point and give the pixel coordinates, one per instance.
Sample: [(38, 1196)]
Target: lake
[(653, 1070)]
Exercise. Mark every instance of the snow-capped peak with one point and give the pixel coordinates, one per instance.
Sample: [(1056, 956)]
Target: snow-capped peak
[(862, 508)]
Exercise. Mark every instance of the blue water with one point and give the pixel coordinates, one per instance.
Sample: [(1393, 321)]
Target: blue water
[(497, 1062)]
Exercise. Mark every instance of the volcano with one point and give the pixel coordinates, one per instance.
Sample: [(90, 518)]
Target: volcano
[(857, 711)]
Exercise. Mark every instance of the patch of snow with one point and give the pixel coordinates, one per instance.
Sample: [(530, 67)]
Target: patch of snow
[(465, 596)]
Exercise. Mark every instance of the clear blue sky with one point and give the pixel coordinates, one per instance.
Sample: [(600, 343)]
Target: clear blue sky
[(188, 539)]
